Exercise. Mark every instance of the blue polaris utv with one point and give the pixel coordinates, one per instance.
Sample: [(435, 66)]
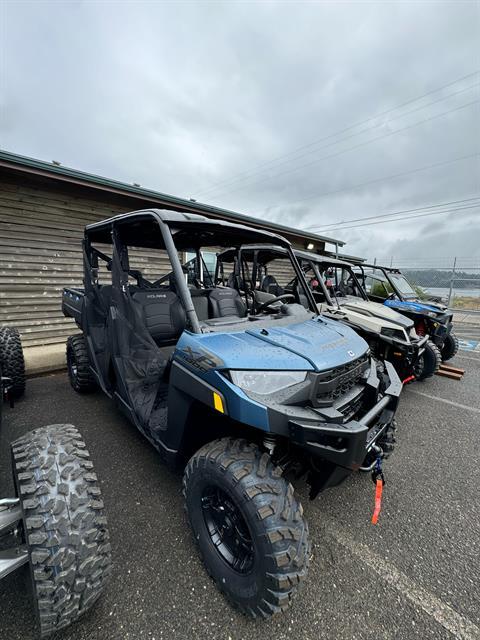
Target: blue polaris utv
[(431, 317), (241, 400)]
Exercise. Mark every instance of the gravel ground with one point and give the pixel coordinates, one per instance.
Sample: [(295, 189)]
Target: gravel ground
[(415, 575)]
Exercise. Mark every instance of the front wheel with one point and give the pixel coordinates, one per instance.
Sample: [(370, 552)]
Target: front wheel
[(249, 528), (450, 347), (430, 361)]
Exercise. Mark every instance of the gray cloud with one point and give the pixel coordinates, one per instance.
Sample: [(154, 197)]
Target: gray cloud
[(180, 96)]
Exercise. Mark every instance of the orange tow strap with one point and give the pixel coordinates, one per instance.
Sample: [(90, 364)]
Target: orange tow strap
[(378, 500)]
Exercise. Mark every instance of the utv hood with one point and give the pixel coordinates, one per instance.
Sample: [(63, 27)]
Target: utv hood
[(376, 310), (318, 344)]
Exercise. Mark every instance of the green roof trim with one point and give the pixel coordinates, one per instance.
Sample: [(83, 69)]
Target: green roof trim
[(13, 160)]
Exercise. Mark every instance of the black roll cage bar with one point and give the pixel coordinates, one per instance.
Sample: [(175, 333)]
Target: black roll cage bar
[(314, 265), (385, 271), (239, 264)]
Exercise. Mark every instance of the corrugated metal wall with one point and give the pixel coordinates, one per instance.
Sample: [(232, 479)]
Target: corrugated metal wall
[(40, 253)]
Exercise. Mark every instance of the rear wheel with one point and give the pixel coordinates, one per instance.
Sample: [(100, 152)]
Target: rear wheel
[(78, 365), (450, 346), (429, 361), (248, 526), (12, 360), (2, 396), (64, 523)]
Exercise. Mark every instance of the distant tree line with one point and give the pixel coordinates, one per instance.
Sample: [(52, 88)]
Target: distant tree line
[(440, 278)]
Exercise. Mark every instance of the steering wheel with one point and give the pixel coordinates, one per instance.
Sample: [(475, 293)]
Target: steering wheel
[(268, 303)]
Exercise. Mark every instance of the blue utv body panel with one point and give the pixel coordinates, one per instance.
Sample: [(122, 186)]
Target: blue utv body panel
[(411, 305), (314, 345)]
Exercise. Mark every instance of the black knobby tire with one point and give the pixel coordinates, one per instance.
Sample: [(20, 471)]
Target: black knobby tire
[(449, 347), (13, 362), (273, 523), (78, 365), (388, 440), (431, 361), (64, 523), (2, 398)]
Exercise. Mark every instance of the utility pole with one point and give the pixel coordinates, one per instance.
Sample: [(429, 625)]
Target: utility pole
[(452, 280)]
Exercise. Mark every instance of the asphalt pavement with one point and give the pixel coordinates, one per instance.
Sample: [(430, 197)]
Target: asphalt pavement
[(414, 575)]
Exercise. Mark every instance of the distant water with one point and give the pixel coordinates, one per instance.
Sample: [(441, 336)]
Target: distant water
[(437, 291)]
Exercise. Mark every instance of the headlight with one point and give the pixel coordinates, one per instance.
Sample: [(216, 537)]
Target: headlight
[(265, 382)]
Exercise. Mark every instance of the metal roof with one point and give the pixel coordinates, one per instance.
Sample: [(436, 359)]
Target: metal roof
[(17, 162)]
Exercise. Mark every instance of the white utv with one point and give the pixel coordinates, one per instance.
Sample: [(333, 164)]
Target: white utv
[(391, 335)]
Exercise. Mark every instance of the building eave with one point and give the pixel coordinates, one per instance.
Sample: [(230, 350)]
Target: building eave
[(23, 164)]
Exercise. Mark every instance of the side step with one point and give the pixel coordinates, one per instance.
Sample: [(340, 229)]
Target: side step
[(453, 373)]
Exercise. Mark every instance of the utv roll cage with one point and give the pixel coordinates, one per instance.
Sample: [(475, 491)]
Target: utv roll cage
[(247, 280), (314, 261), (261, 255), (178, 232), (385, 277)]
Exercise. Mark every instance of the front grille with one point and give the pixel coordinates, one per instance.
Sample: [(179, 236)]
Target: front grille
[(336, 383), (351, 409)]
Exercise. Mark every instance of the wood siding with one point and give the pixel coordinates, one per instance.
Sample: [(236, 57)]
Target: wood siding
[(40, 253)]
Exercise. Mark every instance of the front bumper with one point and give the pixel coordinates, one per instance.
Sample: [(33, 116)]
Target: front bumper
[(331, 438), (404, 356), (438, 331)]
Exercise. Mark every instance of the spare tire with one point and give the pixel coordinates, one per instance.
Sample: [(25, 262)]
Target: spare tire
[(12, 360), (64, 523)]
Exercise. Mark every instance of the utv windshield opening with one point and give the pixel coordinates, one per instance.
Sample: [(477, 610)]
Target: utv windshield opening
[(402, 284)]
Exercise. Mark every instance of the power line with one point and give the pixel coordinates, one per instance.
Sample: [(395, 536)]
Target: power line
[(354, 135), (396, 213), (414, 217), (332, 135), (390, 177), (367, 142)]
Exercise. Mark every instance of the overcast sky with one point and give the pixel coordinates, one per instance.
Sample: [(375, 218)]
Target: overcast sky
[(279, 102)]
